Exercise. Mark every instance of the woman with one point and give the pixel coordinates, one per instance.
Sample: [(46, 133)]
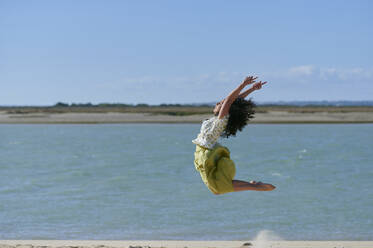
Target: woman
[(211, 159)]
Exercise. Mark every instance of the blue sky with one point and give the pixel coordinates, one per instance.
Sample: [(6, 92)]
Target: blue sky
[(183, 51)]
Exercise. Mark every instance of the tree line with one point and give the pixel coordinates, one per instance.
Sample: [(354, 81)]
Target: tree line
[(63, 104)]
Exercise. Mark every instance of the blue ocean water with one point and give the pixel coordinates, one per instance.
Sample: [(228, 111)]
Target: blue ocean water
[(137, 181)]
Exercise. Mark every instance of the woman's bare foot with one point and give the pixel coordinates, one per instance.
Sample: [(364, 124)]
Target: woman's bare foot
[(262, 186), (239, 185)]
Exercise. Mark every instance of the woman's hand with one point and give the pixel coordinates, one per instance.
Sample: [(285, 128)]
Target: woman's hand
[(249, 80), (258, 85)]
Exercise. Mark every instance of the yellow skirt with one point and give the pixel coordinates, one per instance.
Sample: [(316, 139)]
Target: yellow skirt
[(216, 168)]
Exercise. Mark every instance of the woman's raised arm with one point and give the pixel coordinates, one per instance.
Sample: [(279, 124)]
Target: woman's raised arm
[(227, 102)]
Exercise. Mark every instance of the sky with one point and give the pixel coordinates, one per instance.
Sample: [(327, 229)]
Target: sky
[(183, 51)]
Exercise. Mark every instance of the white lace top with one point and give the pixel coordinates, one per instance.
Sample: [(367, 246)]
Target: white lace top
[(211, 130)]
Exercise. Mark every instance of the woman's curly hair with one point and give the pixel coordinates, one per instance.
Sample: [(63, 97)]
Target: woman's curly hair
[(240, 112)]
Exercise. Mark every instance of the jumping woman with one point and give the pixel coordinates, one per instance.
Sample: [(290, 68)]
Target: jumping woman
[(211, 159)]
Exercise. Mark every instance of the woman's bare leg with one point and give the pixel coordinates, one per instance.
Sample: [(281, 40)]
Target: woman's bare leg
[(239, 185)]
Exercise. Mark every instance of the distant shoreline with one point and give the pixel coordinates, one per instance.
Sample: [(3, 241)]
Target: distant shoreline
[(179, 244), (263, 117), (180, 114)]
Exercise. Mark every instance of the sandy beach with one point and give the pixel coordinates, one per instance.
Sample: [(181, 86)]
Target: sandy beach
[(180, 244), (113, 117)]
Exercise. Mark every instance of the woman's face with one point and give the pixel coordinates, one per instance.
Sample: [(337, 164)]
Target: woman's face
[(218, 107)]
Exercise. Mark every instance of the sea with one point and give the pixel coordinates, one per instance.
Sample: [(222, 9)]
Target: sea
[(138, 182)]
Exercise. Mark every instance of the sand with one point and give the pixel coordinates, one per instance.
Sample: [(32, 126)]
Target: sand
[(181, 244), (269, 117)]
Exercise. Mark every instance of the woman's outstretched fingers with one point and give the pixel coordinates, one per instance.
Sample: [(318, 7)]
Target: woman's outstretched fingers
[(250, 79)]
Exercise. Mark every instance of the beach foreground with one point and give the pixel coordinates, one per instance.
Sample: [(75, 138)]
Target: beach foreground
[(181, 244)]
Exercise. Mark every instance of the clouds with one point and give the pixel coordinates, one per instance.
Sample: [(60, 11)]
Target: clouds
[(310, 82), (302, 70), (205, 80), (301, 82), (308, 73), (345, 74), (155, 89), (301, 73)]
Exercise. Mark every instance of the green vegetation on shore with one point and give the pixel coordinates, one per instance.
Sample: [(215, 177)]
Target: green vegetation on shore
[(169, 109), (166, 109)]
